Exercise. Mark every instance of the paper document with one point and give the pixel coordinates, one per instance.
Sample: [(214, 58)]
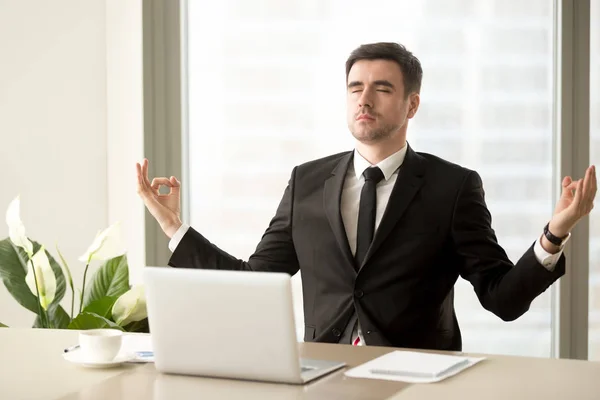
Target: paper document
[(139, 344), (414, 367)]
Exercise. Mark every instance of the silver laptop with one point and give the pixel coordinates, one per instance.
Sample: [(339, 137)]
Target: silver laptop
[(227, 324)]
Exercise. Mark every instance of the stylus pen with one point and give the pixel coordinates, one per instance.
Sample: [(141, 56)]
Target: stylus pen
[(68, 349)]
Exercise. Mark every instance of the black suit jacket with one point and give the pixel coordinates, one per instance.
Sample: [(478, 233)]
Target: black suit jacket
[(436, 228)]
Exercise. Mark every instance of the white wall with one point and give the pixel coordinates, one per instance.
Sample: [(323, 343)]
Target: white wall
[(53, 120), (125, 127)]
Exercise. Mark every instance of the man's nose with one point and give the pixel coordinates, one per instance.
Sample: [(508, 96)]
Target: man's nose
[(366, 99)]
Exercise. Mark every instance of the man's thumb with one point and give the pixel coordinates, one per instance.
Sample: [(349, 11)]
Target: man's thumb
[(174, 181)]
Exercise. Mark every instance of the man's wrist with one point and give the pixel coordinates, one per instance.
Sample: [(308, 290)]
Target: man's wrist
[(171, 227), (553, 238), (557, 230), (548, 246)]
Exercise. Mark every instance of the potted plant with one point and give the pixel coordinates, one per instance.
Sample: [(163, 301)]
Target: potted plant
[(38, 282)]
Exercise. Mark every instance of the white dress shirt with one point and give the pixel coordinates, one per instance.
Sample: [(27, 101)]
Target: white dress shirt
[(350, 203)]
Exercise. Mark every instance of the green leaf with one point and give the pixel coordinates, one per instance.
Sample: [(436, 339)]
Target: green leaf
[(2, 325), (102, 307), (87, 320), (66, 266), (13, 269), (111, 279), (138, 326), (59, 319)]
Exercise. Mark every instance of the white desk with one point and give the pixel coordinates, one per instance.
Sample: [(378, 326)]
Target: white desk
[(33, 368)]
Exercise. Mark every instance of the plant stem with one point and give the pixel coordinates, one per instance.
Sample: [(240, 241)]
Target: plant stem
[(48, 320), (43, 320), (83, 287), (72, 301)]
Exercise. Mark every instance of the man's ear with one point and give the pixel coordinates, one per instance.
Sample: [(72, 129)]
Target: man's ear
[(414, 100)]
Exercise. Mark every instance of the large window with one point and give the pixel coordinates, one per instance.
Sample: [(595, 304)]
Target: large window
[(594, 294), (267, 92)]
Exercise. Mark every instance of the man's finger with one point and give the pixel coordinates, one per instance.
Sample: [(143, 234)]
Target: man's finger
[(157, 182), (138, 170), (568, 187), (145, 172), (578, 195), (589, 189), (593, 182), (586, 180), (175, 182), (175, 186), (586, 190), (141, 186)]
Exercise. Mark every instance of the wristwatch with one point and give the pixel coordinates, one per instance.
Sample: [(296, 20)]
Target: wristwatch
[(554, 239)]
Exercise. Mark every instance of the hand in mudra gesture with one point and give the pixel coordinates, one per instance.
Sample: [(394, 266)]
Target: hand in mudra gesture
[(165, 208), (575, 202)]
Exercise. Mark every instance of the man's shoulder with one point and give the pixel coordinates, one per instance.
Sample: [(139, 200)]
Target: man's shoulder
[(449, 174), (440, 164), (323, 163)]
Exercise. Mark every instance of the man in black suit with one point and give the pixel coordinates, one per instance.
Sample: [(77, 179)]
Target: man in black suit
[(382, 233)]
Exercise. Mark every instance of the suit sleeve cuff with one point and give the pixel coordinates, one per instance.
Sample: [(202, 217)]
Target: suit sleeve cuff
[(174, 242), (548, 260)]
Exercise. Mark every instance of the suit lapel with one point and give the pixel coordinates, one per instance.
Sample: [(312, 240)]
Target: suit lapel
[(332, 194), (408, 183)]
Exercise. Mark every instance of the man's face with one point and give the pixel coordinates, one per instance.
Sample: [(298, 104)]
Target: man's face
[(376, 105)]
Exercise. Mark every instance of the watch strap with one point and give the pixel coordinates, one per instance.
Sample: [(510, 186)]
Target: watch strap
[(552, 238)]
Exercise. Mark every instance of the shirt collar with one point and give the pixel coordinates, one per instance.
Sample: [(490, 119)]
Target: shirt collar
[(387, 166)]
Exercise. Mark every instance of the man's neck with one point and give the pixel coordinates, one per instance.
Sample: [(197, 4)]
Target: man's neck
[(376, 152)]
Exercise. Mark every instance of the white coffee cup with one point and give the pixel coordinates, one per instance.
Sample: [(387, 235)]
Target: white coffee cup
[(100, 345)]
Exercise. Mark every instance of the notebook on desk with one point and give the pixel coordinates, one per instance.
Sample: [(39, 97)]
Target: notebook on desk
[(410, 366)]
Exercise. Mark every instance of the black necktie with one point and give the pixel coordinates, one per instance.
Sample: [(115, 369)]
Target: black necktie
[(366, 213)]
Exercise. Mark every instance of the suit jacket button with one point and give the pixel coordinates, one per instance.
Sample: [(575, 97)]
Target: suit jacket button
[(358, 293), (336, 332)]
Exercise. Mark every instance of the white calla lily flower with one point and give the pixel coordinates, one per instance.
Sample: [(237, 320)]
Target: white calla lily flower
[(16, 229), (130, 307), (105, 246), (46, 281)]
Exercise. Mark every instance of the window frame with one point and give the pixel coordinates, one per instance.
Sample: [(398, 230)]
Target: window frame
[(166, 132)]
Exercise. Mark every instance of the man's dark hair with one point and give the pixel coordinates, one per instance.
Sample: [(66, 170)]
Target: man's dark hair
[(409, 64)]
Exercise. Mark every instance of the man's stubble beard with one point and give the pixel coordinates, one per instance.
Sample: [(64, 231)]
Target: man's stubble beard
[(374, 134)]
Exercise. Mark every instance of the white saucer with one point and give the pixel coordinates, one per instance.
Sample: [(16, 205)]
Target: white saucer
[(76, 357)]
